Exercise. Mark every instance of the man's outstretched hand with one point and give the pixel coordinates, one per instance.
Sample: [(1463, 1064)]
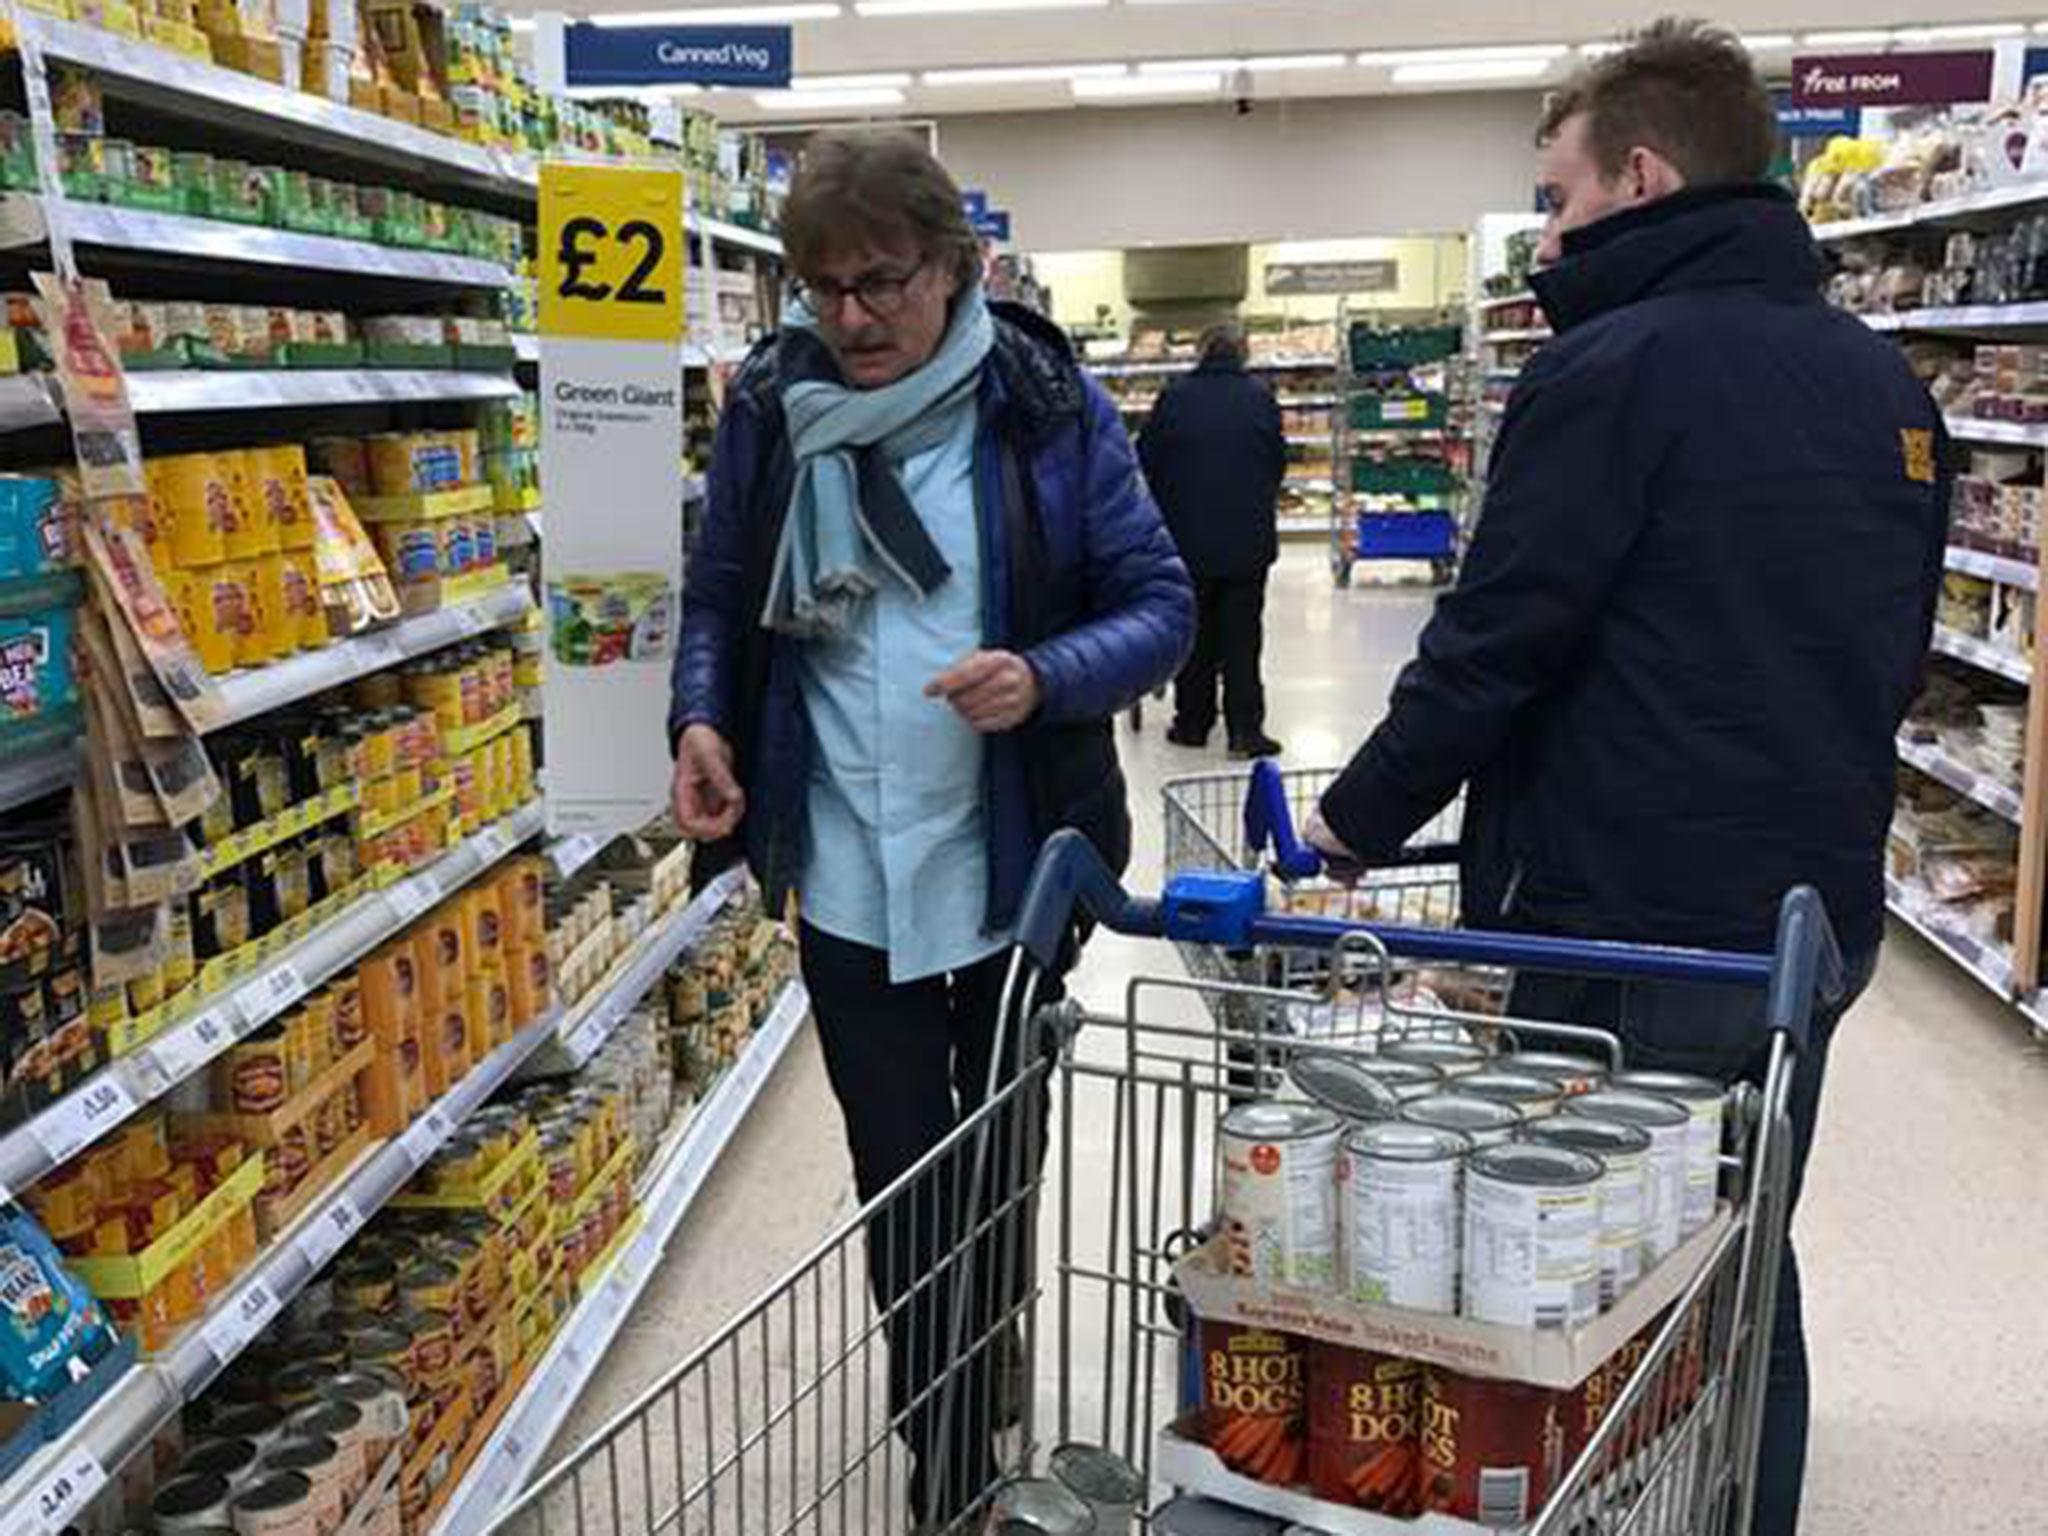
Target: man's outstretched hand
[(992, 690), (708, 800)]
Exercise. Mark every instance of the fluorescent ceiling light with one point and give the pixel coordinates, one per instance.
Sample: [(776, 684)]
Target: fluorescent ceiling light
[(825, 101), (523, 23), (1271, 63), (1476, 70), (1764, 42), (1599, 50), (1866, 37), (960, 7), (1966, 32), (803, 10), (1396, 58), (891, 81), (1127, 87), (1021, 74)]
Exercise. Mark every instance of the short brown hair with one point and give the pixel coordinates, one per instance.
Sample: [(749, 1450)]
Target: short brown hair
[(1683, 88), (1223, 342), (882, 187)]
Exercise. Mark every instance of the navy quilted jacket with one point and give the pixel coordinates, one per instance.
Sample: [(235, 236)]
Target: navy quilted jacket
[(1080, 577)]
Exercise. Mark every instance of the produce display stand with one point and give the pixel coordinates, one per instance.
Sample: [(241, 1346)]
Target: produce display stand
[(1503, 326)]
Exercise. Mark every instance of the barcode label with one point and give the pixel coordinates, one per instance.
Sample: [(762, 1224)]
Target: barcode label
[(74, 1123), (1503, 1495), (1551, 1314)]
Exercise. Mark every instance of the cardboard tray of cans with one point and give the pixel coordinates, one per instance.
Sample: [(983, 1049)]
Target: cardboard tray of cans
[(1186, 1463), (1544, 1357)]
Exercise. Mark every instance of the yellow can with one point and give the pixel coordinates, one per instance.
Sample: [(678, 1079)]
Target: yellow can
[(192, 591), (231, 602), (254, 532), (274, 612), (255, 632), (522, 764), (286, 492), (302, 595), (193, 494)]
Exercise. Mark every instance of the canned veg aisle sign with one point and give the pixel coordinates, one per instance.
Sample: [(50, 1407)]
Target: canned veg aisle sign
[(611, 370)]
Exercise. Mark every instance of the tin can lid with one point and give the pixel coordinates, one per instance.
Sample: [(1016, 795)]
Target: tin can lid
[(1521, 1162), (254, 1420), (1269, 1121), (189, 1493), (300, 1453), (1461, 1112), (280, 1490), (1687, 1086), (1042, 1507), (1097, 1475), (228, 1458), (1515, 1087), (1405, 1141), (1629, 1107), (1583, 1133), (1340, 1084), (1400, 1072), (1552, 1063), (1438, 1053), (330, 1416)]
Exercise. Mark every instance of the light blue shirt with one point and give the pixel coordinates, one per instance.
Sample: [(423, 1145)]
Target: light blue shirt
[(898, 851)]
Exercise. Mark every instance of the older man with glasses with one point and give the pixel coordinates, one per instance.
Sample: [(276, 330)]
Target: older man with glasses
[(928, 579)]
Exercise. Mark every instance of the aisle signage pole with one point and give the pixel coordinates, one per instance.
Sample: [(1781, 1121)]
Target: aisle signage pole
[(611, 377)]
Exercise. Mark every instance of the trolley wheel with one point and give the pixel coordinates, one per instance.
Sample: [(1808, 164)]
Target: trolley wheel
[(1340, 571)]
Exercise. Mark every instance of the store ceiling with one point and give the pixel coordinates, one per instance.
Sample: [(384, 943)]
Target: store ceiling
[(883, 58)]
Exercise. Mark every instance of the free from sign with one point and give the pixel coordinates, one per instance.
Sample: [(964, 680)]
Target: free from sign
[(1890, 79)]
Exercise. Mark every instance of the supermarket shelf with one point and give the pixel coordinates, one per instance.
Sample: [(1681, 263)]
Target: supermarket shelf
[(1974, 562), (1308, 440), (514, 1450), (2018, 434), (269, 388), (1989, 964), (158, 77), (1963, 317), (1304, 402), (266, 688), (1519, 296), (1304, 527), (182, 1049), (38, 774), (1982, 654), (1527, 333), (28, 400), (590, 1023), (569, 854), (736, 235), (150, 1395), (525, 347), (1967, 209), (1992, 794), (160, 235)]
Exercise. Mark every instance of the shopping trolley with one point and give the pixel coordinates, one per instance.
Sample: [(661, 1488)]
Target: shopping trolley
[(785, 1421)]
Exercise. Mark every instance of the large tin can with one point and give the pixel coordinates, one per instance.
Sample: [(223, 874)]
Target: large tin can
[(1532, 1236), (1624, 1152), (1280, 1193), (1703, 1099), (1400, 1214), (1483, 1122), (1669, 1125)]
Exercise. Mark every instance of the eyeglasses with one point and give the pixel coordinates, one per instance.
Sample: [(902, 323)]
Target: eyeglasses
[(881, 294)]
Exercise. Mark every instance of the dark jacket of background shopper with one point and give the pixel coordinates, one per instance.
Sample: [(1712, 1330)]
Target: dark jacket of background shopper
[(1214, 455), (1696, 605)]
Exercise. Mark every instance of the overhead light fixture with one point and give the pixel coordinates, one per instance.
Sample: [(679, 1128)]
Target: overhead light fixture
[(1137, 87), (1963, 32), (1271, 64), (522, 23), (894, 80), (827, 101), (1519, 52), (967, 7), (1473, 72), (801, 10), (1764, 42), (1600, 50), (1021, 74), (1862, 37)]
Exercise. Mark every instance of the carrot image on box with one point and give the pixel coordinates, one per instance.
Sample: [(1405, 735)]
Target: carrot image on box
[(1364, 1428), (1252, 1400)]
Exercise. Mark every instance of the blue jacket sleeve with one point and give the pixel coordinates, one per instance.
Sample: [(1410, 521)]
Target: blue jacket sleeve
[(702, 680), (1137, 593), (1564, 504)]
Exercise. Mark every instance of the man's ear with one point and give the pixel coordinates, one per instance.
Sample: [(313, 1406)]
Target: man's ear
[(1650, 176)]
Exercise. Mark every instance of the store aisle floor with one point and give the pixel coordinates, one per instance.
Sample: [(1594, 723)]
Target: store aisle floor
[(1921, 1227)]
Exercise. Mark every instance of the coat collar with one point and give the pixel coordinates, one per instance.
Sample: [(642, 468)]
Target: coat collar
[(1710, 237)]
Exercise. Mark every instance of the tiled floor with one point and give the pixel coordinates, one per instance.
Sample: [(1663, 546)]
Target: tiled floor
[(1925, 1223)]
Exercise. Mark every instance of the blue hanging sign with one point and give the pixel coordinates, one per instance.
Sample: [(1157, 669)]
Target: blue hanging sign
[(975, 202), (754, 57), (1815, 122), (993, 225)]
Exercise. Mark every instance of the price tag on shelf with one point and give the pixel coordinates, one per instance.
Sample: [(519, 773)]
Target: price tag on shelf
[(183, 1050), (270, 994), (76, 1121), (59, 1494), (474, 618), (410, 898), (425, 1135), (381, 649), (245, 1316), (492, 843), (325, 1234)]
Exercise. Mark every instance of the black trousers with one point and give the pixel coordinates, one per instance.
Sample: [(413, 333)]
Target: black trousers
[(1718, 1032), (1230, 631), (908, 1063)]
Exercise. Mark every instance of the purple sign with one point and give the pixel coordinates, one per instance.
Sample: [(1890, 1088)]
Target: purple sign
[(1890, 79)]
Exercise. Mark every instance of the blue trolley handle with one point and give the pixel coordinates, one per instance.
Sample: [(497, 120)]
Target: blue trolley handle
[(1228, 909), (1269, 822)]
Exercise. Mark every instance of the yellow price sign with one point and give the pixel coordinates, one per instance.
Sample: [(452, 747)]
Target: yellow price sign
[(611, 252)]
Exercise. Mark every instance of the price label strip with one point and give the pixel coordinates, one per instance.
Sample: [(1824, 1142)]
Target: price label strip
[(270, 994), (410, 898), (325, 1234), (181, 1051), (74, 1123), (425, 1135), (245, 1316), (60, 1494)]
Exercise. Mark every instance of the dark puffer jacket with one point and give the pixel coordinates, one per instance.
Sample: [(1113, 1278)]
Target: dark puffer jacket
[(1079, 577), (1696, 606)]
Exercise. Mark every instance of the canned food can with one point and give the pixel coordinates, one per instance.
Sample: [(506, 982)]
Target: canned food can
[(1534, 1096), (234, 1460), (380, 1394), (1624, 1153), (1571, 1072), (1251, 1414), (1343, 1085), (1104, 1481), (280, 1504), (1669, 1124), (320, 1461), (259, 1423), (1409, 1079), (1703, 1099), (192, 1501), (344, 1424), (1453, 1058), (1532, 1236), (1400, 1214), (1280, 1193), (1484, 1122), (1364, 1428), (1039, 1506)]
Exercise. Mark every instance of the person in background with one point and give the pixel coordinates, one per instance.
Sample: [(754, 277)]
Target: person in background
[(928, 578), (1214, 455), (1685, 633)]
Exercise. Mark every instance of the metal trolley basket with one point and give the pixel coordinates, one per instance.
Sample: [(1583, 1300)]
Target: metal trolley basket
[(1018, 1323)]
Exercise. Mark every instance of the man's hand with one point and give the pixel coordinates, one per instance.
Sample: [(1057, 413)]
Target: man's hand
[(707, 799), (1339, 862), (992, 690)]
